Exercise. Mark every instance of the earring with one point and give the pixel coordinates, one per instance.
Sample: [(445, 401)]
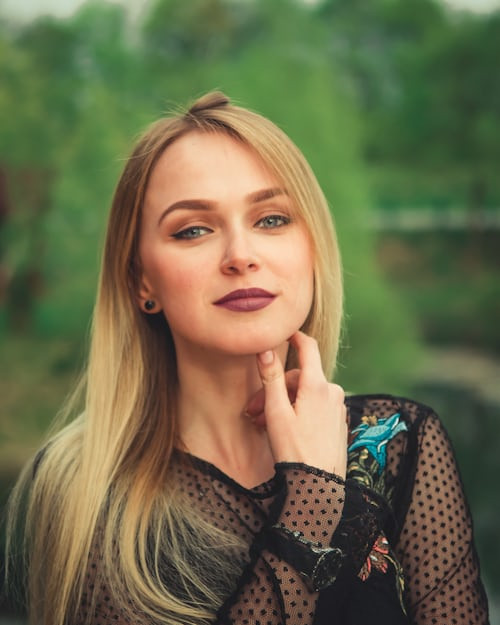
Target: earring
[(149, 305)]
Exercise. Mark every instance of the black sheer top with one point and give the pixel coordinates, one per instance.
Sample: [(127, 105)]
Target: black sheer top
[(398, 528)]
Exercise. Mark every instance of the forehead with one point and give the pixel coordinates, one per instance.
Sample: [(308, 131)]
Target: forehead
[(203, 159)]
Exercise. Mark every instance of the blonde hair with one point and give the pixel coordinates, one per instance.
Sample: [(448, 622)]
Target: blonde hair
[(103, 481)]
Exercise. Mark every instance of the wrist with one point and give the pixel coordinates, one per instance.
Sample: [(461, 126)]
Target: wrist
[(312, 502), (284, 468), (318, 566)]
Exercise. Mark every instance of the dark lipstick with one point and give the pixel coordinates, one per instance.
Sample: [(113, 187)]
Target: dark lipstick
[(245, 300)]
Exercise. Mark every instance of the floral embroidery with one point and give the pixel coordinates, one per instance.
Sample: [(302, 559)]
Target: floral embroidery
[(364, 469), (366, 463), (374, 434), (378, 559)]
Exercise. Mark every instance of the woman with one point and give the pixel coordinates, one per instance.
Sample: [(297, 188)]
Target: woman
[(205, 480)]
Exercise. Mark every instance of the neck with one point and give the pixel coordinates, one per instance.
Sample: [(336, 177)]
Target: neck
[(213, 394)]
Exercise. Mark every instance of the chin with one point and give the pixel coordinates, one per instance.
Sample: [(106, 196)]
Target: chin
[(252, 344)]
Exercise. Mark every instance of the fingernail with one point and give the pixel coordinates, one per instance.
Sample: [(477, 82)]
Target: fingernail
[(266, 358)]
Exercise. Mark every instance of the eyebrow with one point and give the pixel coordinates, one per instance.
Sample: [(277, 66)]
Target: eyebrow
[(252, 198), (265, 194)]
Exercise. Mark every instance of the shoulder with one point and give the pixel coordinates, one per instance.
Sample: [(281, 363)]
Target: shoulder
[(389, 436), (383, 406)]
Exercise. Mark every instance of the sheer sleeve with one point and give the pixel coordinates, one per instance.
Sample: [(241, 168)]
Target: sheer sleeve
[(324, 511), (431, 530), (436, 546)]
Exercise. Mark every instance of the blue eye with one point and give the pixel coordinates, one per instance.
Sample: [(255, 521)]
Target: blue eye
[(193, 232), (273, 221)]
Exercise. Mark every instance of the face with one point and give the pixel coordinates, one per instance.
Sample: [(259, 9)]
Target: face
[(223, 253)]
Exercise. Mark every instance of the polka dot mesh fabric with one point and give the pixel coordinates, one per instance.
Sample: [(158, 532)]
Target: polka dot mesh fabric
[(412, 522)]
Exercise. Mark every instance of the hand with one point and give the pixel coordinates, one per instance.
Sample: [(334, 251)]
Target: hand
[(313, 430), (255, 407)]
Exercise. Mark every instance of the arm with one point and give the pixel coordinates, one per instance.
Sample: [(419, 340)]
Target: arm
[(271, 588), (328, 513), (435, 546), (317, 506)]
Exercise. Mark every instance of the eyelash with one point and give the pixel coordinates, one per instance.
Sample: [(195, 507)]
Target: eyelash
[(195, 232), (284, 219), (187, 233)]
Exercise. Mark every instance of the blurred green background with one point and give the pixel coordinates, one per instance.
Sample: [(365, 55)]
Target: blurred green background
[(396, 104)]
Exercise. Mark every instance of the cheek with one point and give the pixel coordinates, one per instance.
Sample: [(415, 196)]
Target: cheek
[(178, 287), (307, 278), (182, 282), (305, 295), (167, 275), (297, 269), (303, 264), (177, 291)]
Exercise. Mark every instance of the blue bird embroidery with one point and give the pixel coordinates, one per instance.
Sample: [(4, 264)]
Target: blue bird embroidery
[(374, 434)]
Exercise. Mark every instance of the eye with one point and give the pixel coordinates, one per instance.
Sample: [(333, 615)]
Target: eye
[(273, 221), (193, 232)]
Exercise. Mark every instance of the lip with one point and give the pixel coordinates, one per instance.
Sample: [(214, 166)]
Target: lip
[(245, 300)]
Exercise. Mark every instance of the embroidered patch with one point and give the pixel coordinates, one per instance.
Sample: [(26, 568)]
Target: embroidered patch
[(373, 434), (379, 559)]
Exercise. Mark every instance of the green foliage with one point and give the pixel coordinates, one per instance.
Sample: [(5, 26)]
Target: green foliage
[(429, 88), (451, 279)]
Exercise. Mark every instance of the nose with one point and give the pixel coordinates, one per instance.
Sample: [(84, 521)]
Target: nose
[(240, 255)]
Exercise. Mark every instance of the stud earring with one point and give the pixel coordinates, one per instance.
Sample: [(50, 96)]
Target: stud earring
[(149, 305)]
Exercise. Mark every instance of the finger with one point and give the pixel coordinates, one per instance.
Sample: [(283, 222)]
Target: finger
[(309, 357), (258, 419), (256, 404), (338, 394), (255, 407), (272, 374)]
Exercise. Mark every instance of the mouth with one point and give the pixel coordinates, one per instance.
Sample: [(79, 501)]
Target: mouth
[(245, 300)]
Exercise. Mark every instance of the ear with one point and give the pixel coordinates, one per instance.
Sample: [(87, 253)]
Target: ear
[(146, 297)]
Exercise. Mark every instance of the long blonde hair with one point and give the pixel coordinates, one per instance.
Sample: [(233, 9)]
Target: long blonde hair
[(104, 479)]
